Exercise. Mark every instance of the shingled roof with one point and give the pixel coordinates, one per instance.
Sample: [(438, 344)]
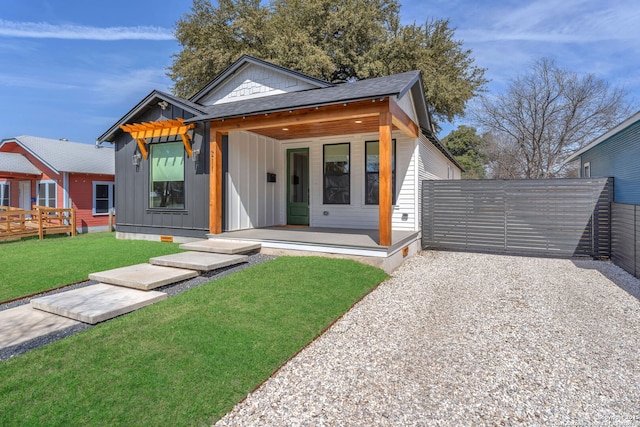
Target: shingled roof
[(67, 156), (397, 84), (18, 164)]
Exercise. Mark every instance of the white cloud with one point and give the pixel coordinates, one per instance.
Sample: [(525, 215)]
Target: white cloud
[(550, 21), (128, 85), (43, 30), (34, 82)]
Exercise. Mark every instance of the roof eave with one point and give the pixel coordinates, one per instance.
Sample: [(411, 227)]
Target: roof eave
[(616, 129), (146, 101), (290, 108), (436, 142)]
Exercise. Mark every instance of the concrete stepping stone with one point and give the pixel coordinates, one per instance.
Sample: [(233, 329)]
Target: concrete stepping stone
[(96, 303), (221, 246), (200, 261), (24, 323), (143, 276)]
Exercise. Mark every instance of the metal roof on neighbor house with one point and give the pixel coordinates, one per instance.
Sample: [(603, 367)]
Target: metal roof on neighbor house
[(67, 156), (397, 84), (17, 163)]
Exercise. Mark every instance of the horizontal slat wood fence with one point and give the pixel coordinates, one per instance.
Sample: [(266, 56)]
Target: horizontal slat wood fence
[(550, 217), (625, 237), (40, 221)]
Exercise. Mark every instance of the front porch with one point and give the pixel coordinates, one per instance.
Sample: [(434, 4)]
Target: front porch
[(359, 244)]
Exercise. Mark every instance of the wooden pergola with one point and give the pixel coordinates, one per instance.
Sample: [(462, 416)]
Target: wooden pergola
[(158, 129), (380, 115)]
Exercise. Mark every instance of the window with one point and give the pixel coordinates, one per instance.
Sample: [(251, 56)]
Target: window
[(4, 194), (372, 172), (167, 175), (449, 172), (586, 170), (337, 185), (102, 197), (47, 194)]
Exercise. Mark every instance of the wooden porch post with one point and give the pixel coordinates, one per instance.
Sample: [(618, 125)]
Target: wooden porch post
[(215, 183), (385, 179)]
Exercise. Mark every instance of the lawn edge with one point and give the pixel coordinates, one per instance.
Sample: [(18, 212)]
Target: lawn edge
[(314, 339)]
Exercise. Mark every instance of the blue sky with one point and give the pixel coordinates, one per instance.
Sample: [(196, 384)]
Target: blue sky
[(71, 68)]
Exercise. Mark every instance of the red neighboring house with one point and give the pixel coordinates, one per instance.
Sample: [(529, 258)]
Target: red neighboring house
[(61, 174)]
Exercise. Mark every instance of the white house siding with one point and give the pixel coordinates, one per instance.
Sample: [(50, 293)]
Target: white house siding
[(432, 164), (251, 201), (253, 81), (357, 214)]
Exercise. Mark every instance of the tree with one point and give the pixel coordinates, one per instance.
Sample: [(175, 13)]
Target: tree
[(545, 116), (335, 41), (468, 148)]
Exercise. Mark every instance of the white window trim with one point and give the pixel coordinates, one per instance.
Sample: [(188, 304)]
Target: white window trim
[(111, 186), (6, 185), (55, 191), (586, 166)]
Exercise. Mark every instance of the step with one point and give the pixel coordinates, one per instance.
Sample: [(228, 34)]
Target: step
[(96, 303), (143, 276), (200, 261), (221, 246), (24, 323)]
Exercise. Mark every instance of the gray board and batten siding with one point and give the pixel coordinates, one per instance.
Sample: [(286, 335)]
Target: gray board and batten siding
[(546, 217), (625, 237), (619, 157), (134, 214)]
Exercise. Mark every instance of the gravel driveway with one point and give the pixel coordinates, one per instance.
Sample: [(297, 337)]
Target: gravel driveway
[(469, 339)]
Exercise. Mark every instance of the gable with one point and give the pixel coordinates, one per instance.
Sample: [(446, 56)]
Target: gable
[(254, 81), (62, 155), (406, 103)]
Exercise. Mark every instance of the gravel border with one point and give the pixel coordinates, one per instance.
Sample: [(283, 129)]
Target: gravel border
[(469, 339), (171, 290)]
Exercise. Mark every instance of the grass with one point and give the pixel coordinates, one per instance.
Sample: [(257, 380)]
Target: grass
[(186, 360), (31, 265)]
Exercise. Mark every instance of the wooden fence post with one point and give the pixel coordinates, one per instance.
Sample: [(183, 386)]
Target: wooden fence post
[(40, 225)]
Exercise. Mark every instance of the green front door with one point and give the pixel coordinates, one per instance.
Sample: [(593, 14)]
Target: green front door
[(298, 186)]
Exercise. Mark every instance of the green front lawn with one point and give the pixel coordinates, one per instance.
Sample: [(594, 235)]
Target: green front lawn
[(186, 360), (30, 266)]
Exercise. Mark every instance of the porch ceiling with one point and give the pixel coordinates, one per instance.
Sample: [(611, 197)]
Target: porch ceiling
[(322, 129), (321, 121)]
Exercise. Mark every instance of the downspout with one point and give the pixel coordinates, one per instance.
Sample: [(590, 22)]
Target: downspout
[(65, 190)]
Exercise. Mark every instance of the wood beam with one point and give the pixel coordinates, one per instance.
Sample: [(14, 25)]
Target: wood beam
[(186, 140), (17, 175), (328, 113), (385, 196), (142, 145), (215, 182), (402, 121)]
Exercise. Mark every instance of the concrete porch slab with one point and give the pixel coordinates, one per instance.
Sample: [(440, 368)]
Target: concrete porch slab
[(143, 276), (221, 247), (96, 303), (24, 323), (200, 261)]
